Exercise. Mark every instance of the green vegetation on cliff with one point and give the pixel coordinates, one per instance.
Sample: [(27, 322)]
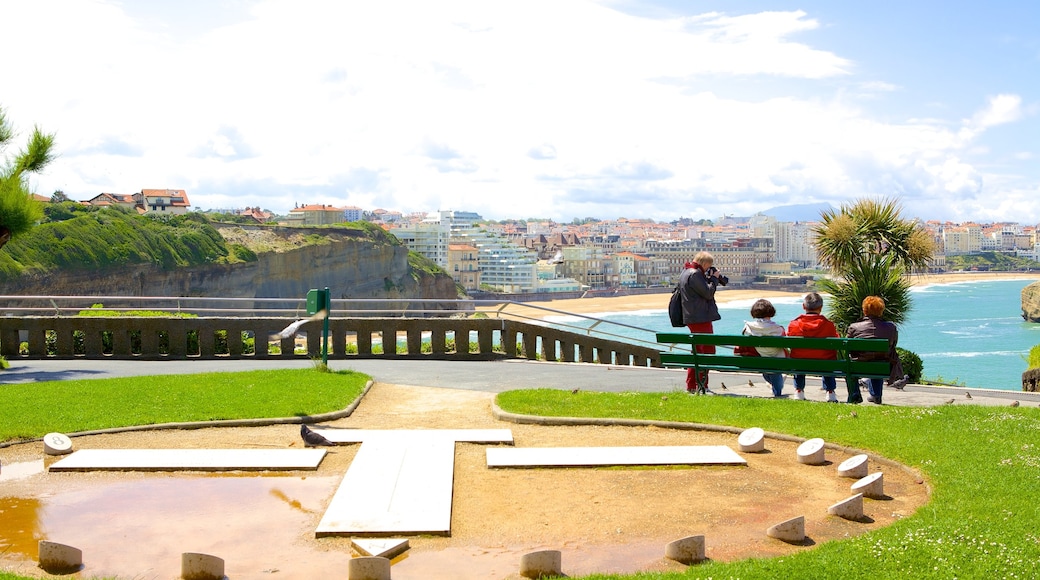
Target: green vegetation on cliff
[(98, 239), (991, 261)]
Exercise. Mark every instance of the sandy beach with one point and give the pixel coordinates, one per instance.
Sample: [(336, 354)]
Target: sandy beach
[(660, 301)]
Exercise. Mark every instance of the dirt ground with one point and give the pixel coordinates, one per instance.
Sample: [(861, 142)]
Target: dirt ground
[(136, 525)]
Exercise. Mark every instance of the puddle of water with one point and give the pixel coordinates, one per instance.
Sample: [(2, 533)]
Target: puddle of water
[(21, 470)]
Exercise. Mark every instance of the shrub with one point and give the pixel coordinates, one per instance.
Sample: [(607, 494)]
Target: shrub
[(1034, 357), (912, 364)]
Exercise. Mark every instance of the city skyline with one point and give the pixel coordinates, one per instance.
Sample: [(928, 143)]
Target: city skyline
[(561, 110)]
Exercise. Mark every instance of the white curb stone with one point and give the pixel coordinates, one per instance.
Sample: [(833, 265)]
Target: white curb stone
[(854, 467), (812, 452), (686, 551), (850, 508), (752, 440), (872, 486), (542, 563), (793, 530), (58, 558), (57, 444), (195, 566), (368, 568)]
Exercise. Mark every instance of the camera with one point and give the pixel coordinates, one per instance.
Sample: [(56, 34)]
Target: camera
[(713, 271)]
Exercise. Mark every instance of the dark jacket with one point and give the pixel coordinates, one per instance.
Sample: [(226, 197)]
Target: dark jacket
[(873, 327), (698, 297)]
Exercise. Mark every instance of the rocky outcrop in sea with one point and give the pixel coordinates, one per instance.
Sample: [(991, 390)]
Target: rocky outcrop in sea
[(1031, 302)]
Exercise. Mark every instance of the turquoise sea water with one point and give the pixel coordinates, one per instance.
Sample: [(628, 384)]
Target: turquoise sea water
[(969, 333)]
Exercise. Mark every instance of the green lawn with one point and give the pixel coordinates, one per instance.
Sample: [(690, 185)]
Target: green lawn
[(983, 463), (32, 410)]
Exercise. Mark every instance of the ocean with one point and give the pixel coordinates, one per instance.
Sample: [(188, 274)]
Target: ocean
[(966, 333)]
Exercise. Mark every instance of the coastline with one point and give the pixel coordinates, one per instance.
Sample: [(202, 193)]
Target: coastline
[(604, 304)]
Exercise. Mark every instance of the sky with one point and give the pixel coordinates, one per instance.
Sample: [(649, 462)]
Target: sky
[(556, 109)]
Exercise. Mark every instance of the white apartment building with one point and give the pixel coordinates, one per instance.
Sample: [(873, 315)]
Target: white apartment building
[(795, 242)]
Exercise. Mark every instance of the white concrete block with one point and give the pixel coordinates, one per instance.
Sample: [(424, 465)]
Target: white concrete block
[(752, 440), (543, 563), (854, 467), (58, 558), (380, 547), (457, 435), (57, 444), (850, 508), (368, 568), (792, 530), (190, 460), (872, 486), (687, 550), (597, 456), (195, 566), (812, 452)]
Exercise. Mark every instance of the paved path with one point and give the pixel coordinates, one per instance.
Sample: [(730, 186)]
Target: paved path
[(498, 376)]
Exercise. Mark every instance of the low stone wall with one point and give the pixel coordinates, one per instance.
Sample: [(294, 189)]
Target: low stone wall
[(216, 338)]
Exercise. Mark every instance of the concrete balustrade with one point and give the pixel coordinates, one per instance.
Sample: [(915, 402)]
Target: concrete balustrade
[(169, 338)]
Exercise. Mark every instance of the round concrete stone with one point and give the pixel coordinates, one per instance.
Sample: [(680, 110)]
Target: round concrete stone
[(850, 508), (542, 563), (57, 444), (368, 568), (195, 566), (58, 558), (812, 452), (793, 530), (688, 550), (872, 486), (752, 440), (854, 467)]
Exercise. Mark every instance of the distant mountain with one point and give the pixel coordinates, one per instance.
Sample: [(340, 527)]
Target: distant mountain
[(807, 212)]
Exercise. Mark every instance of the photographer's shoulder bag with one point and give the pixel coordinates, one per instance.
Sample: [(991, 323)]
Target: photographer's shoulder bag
[(675, 308)]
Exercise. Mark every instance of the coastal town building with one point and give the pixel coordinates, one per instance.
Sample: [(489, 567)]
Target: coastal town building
[(162, 201)]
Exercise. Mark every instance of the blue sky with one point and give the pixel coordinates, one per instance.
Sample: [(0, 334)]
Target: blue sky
[(554, 109)]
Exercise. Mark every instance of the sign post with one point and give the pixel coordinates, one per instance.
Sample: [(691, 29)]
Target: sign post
[(321, 301)]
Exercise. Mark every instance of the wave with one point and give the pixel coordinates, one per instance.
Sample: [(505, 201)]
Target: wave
[(971, 354)]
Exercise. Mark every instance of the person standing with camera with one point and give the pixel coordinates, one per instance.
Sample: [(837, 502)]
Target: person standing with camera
[(697, 285)]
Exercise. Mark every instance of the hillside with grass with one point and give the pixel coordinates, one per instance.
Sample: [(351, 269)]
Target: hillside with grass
[(109, 251)]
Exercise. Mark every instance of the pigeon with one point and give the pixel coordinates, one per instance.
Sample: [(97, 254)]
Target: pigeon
[(950, 401), (900, 383), (723, 385), (1014, 403), (750, 383), (967, 395), (313, 438), (293, 328), (575, 391)]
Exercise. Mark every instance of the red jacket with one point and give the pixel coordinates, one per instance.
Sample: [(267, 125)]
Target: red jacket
[(815, 326)]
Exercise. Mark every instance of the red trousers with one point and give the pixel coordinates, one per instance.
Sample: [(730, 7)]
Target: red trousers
[(696, 379)]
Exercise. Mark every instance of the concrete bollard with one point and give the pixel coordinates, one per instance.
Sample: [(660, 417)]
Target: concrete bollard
[(57, 444), (752, 440), (850, 508), (58, 558), (854, 467), (872, 486), (368, 568), (195, 566), (688, 550), (543, 563), (793, 530), (812, 452)]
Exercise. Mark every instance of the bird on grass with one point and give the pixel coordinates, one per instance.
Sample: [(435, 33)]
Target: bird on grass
[(1014, 403), (575, 391), (967, 395), (950, 401), (313, 438)]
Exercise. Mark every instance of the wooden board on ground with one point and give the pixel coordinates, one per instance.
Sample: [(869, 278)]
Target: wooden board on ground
[(190, 460), (604, 456)]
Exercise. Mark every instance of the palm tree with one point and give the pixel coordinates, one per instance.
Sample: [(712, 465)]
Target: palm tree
[(18, 210), (871, 251)]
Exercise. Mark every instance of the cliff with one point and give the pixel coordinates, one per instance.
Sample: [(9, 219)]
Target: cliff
[(1031, 302), (289, 261)]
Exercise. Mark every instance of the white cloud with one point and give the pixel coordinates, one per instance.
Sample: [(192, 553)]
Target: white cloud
[(554, 108)]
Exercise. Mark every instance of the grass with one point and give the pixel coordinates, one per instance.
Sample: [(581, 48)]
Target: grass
[(983, 464), (32, 410)]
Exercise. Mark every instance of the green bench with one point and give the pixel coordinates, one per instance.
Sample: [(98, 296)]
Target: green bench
[(843, 366)]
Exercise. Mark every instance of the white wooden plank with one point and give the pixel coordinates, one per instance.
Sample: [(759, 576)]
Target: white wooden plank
[(190, 460), (395, 485), (460, 435), (600, 456)]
